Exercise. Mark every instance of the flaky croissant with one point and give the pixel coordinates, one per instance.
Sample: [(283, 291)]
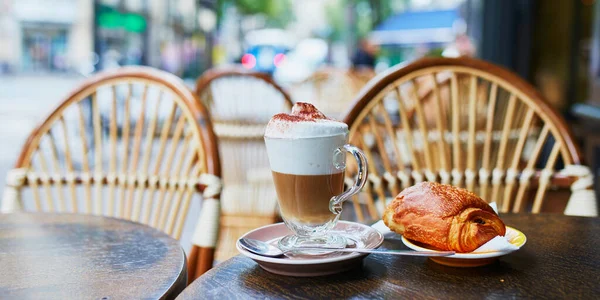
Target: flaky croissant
[(443, 216)]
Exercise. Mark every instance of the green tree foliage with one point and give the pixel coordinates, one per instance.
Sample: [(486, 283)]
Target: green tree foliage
[(276, 12), (336, 19)]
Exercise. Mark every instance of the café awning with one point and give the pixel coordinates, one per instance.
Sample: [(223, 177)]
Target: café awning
[(417, 27)]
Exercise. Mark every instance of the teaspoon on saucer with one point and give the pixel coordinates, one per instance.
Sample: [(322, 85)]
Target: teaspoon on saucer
[(265, 249)]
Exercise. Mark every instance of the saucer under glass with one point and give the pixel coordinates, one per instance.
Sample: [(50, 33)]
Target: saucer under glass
[(291, 243)]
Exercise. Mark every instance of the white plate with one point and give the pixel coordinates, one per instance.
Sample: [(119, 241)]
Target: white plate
[(473, 259), (364, 237)]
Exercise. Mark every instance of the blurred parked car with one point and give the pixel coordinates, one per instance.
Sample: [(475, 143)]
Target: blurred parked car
[(265, 49), (302, 62)]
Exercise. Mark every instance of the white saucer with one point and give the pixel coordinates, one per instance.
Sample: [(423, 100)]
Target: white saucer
[(473, 259), (364, 237)]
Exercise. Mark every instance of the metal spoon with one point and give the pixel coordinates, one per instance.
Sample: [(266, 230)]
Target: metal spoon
[(264, 249)]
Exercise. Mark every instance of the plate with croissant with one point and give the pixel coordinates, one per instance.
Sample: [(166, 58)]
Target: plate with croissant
[(438, 217)]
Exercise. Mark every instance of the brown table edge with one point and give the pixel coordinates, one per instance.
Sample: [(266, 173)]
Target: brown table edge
[(176, 287), (180, 283)]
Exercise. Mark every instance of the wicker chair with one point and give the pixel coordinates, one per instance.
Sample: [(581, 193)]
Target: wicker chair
[(477, 126), (126, 144), (332, 90), (241, 102)]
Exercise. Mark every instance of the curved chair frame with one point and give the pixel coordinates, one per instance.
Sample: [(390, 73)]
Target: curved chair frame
[(554, 125), (348, 82), (204, 240), (233, 134), (209, 76)]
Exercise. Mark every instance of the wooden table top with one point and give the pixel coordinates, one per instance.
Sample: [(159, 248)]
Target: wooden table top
[(69, 256), (560, 260)]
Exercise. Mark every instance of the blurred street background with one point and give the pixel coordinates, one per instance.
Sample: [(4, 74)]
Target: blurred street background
[(48, 47), (25, 99)]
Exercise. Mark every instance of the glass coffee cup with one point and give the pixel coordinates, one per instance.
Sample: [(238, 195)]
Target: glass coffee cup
[(308, 172)]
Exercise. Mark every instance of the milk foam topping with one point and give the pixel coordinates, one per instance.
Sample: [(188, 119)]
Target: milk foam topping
[(315, 156), (305, 121)]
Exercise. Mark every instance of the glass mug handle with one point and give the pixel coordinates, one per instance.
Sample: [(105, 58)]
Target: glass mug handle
[(335, 204)]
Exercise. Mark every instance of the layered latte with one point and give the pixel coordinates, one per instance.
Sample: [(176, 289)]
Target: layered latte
[(307, 172)]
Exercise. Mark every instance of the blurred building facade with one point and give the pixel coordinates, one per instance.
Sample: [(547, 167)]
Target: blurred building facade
[(159, 33), (90, 35), (38, 35)]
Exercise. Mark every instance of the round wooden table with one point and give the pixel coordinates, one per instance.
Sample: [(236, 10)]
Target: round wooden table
[(69, 256), (560, 260)]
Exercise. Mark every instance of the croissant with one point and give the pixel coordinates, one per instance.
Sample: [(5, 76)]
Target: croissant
[(443, 216)]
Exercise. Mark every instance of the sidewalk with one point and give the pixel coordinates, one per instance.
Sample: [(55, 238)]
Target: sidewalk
[(25, 100)]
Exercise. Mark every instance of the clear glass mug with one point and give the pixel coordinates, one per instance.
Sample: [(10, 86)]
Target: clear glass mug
[(309, 179)]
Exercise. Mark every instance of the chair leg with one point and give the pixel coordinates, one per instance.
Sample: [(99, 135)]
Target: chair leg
[(205, 262), (192, 263), (200, 260)]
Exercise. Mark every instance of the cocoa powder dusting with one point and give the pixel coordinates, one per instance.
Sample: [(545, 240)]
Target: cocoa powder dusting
[(290, 118), (302, 112)]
